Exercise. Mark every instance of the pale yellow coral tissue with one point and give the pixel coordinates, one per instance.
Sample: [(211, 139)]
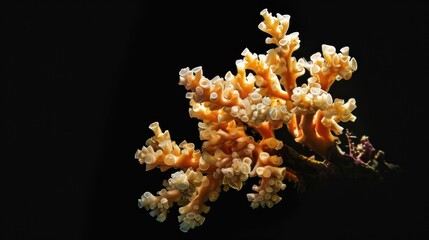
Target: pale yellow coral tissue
[(262, 95)]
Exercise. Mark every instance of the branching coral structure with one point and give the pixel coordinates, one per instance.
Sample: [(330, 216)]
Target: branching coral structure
[(263, 96)]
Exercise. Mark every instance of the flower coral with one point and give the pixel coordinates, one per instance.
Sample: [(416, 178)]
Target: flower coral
[(239, 114)]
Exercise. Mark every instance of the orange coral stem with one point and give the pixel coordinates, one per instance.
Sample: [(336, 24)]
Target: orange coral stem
[(318, 139), (265, 130), (293, 126)]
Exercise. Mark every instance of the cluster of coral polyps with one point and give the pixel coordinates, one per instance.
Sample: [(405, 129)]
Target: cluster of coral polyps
[(264, 96)]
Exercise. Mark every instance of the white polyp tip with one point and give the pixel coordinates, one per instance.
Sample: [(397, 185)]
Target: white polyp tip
[(200, 219), (154, 125), (245, 168), (251, 197), (284, 41), (189, 146), (354, 64), (213, 195), (245, 118), (260, 171), (345, 50), (264, 156), (216, 78), (196, 69), (239, 63), (184, 227), (213, 96), (315, 91), (312, 80), (229, 75), (274, 114), (183, 71), (339, 101), (245, 52), (184, 209), (295, 98), (149, 159), (329, 100), (205, 83), (228, 172), (183, 185), (137, 154), (169, 159), (282, 171), (164, 200), (297, 91), (315, 69), (329, 49), (324, 46), (264, 11), (189, 95), (266, 101), (161, 217), (255, 96)]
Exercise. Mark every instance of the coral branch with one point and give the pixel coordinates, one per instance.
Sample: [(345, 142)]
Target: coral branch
[(239, 115)]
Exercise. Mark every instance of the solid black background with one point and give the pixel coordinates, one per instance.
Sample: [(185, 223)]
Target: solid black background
[(82, 81)]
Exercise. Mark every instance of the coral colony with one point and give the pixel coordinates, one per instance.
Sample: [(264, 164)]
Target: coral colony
[(239, 115)]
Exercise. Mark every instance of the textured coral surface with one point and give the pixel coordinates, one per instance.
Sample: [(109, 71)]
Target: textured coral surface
[(239, 115)]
